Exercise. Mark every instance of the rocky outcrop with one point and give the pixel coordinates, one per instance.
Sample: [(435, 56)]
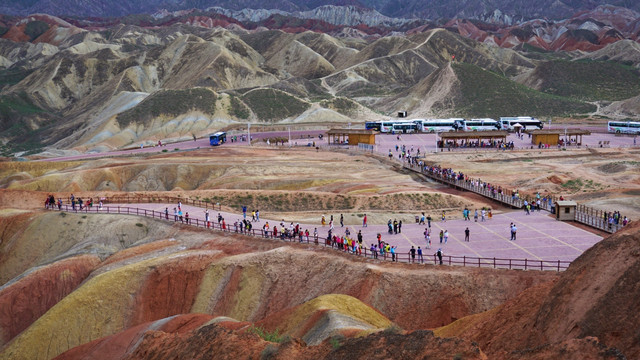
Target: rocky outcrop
[(588, 306)]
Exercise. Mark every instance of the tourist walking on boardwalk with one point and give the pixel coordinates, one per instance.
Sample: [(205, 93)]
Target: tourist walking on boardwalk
[(439, 255), (323, 221), (175, 214), (466, 234), (483, 213), (341, 220), (364, 221), (420, 255), (206, 218), (441, 236), (412, 252), (429, 221), (475, 216), (244, 212), (513, 231), (395, 226), (399, 226), (444, 216), (179, 205), (257, 215), (166, 213), (446, 236)]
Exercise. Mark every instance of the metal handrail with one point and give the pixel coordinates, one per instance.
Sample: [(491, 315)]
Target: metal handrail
[(427, 259)]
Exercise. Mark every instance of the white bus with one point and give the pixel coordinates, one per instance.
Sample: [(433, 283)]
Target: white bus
[(624, 127), (527, 122), (387, 125), (436, 125), (405, 127), (477, 125)]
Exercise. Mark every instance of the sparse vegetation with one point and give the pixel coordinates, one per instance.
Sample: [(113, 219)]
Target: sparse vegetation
[(239, 109), (484, 93), (273, 336), (169, 103), (589, 80), (35, 28), (336, 341), (271, 104), (342, 105)]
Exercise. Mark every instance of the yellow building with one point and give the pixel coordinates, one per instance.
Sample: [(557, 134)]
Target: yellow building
[(351, 136), (552, 137)]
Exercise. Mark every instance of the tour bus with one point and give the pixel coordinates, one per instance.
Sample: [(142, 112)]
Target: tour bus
[(624, 127), (373, 125), (405, 127), (218, 138), (527, 122), (387, 126), (477, 125), (436, 125)]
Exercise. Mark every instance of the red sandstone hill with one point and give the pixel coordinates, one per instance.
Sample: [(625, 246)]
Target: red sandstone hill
[(198, 294), (595, 301)]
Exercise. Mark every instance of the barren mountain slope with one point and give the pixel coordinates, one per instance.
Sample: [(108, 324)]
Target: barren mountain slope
[(594, 298), (227, 275)]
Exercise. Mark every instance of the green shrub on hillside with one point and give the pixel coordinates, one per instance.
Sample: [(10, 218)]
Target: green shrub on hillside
[(272, 105), (239, 109), (484, 93), (170, 103), (35, 29), (589, 80)]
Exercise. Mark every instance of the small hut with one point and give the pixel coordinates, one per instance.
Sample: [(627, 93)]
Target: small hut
[(566, 210)]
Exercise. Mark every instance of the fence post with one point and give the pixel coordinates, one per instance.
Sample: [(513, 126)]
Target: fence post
[(494, 262), (558, 265), (464, 261), (525, 264)]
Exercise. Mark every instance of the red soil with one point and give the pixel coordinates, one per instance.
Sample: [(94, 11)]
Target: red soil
[(24, 301)]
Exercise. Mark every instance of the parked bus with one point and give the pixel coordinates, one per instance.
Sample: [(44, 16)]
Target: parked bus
[(436, 125), (477, 125), (387, 126), (373, 125), (527, 122), (218, 138), (624, 127), (405, 127)]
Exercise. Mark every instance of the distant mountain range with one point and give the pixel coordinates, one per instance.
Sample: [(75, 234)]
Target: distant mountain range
[(99, 83), (495, 11)]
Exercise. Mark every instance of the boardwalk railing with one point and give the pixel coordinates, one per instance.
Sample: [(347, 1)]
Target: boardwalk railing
[(425, 259), (503, 197), (598, 219), (595, 218)]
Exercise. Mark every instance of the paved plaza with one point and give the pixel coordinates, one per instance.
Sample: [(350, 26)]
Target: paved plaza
[(539, 235)]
